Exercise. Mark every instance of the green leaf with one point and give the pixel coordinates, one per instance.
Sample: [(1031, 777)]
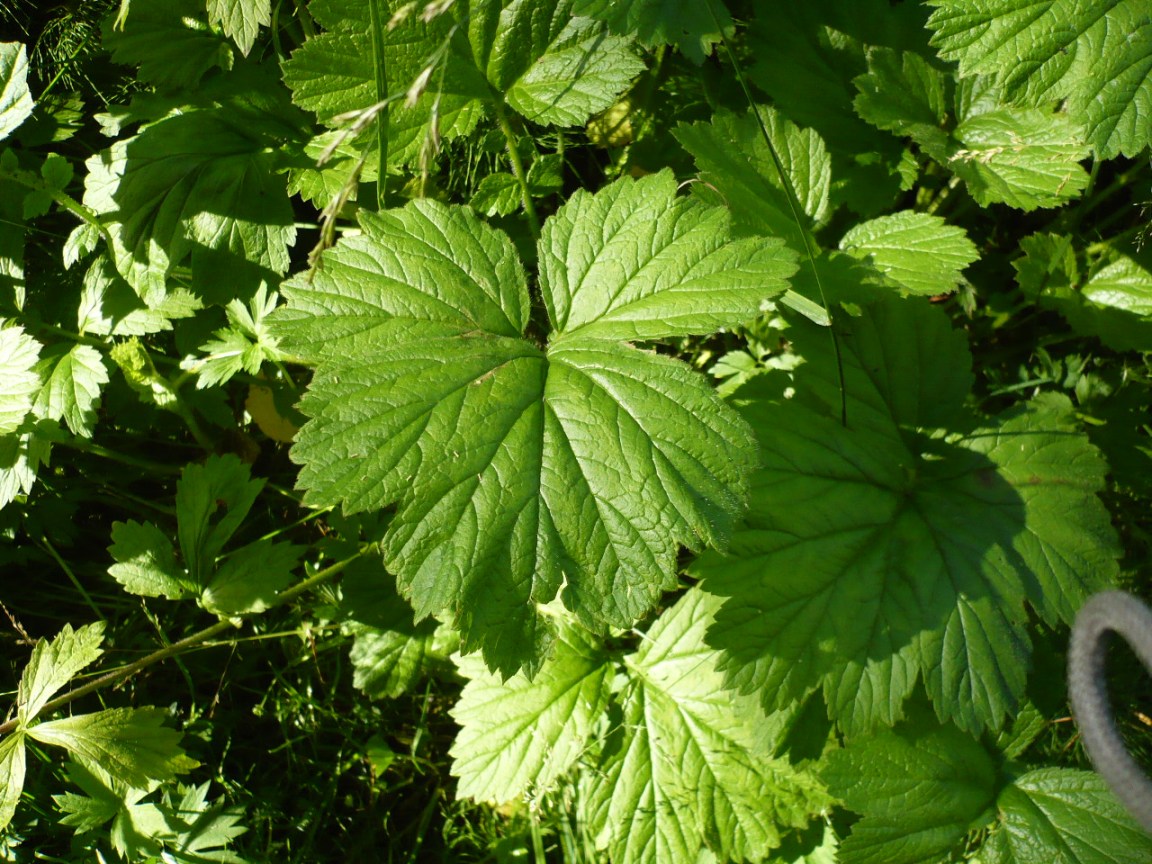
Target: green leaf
[(518, 737), (21, 455), (240, 20), (251, 577), (635, 262), (1095, 55), (244, 346), (13, 763), (733, 159), (206, 828), (211, 501), (72, 388), (195, 180), (418, 325), (689, 26), (109, 307), (390, 652), (333, 74), (902, 93), (1023, 157), (1114, 304), (106, 798), (920, 790), (146, 562), (497, 195), (583, 71), (129, 743), (896, 566), (19, 379), (15, 101), (53, 664), (922, 254), (1057, 814), (170, 42), (689, 762)]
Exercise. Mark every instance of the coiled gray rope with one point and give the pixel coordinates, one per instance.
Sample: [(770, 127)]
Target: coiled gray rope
[(1105, 613)]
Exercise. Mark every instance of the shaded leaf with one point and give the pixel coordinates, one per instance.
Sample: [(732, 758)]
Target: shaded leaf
[(920, 790), (251, 577), (146, 562), (1058, 814)]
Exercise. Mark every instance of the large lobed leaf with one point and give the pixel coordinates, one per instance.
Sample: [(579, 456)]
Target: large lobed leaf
[(879, 553), (519, 468)]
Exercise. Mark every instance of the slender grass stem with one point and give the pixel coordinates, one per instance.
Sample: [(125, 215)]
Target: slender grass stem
[(380, 69), (517, 166)]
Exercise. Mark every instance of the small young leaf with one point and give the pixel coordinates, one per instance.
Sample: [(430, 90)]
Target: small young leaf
[(15, 100), (244, 346), (517, 737), (920, 790), (240, 19), (1057, 814), (146, 562), (19, 380), (129, 743), (13, 763), (109, 307), (211, 501), (497, 195), (251, 577), (53, 664), (72, 389), (921, 253)]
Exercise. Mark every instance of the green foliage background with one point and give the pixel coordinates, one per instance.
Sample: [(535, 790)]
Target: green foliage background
[(562, 430)]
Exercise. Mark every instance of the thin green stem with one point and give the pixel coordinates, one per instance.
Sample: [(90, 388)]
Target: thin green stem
[(793, 204), (47, 544), (380, 69), (517, 166), (177, 648), (32, 180), (86, 446)]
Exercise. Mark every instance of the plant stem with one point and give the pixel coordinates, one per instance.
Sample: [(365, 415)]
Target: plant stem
[(96, 450), (793, 204), (71, 576), (31, 180), (176, 648), (380, 69), (517, 166)]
